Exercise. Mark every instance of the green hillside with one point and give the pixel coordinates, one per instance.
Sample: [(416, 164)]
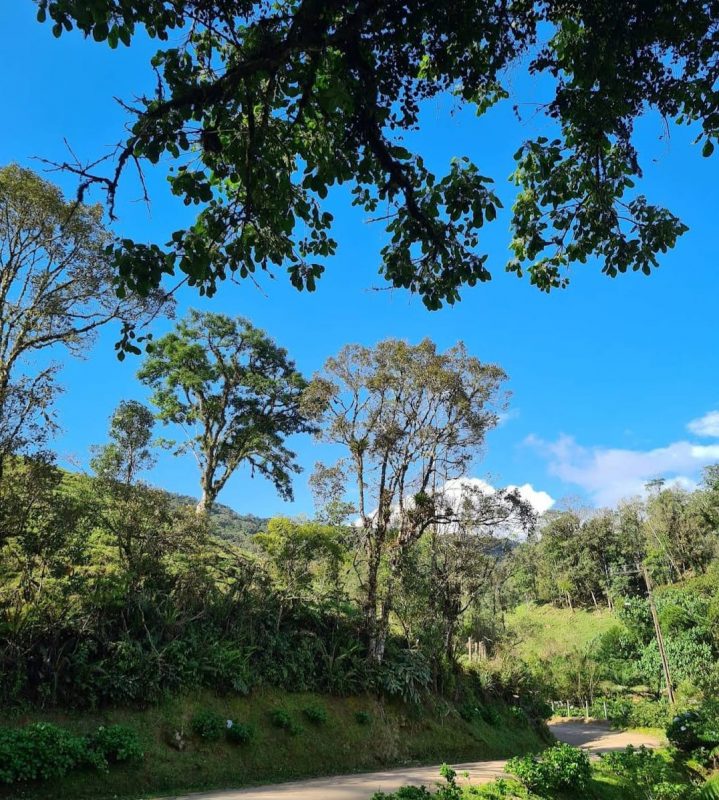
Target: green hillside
[(545, 631)]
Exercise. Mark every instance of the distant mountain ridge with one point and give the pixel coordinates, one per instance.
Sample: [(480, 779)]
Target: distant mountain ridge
[(227, 524)]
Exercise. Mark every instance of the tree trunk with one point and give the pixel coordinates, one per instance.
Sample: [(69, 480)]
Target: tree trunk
[(205, 504), (374, 648)]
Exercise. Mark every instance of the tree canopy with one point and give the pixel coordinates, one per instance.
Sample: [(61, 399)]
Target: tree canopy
[(408, 419), (261, 108), (235, 394), (57, 288)]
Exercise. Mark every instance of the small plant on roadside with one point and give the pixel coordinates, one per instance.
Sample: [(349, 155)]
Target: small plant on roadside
[(208, 725), (684, 731), (316, 714), (237, 733), (405, 793), (558, 768), (281, 718), (449, 790), (43, 751), (39, 752), (363, 717), (645, 775), (116, 744)]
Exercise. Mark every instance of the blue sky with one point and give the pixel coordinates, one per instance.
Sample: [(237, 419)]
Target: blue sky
[(605, 376)]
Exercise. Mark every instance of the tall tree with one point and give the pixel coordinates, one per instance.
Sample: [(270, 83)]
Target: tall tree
[(409, 419), (235, 394), (264, 107), (57, 287), (128, 452)]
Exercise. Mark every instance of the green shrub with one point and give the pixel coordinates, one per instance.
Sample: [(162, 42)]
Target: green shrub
[(685, 731), (559, 767), (641, 714), (695, 729), (237, 733), (43, 751), (117, 743), (645, 775), (208, 724), (316, 713), (404, 793), (363, 717), (405, 674), (281, 718), (39, 752)]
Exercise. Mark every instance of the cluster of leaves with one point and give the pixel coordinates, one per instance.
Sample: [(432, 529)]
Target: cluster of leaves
[(43, 751), (304, 96), (561, 767)]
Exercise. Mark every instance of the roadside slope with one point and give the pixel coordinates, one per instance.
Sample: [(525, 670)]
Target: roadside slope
[(593, 737), (360, 734)]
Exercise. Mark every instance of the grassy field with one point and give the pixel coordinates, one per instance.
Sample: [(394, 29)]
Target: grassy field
[(396, 734), (545, 631)]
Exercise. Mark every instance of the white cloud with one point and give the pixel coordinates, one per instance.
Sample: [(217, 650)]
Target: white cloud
[(708, 425), (508, 416), (539, 500), (611, 474)]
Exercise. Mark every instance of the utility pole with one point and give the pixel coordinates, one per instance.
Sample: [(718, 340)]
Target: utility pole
[(660, 638)]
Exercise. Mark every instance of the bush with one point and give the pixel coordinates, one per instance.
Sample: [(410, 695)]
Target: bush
[(641, 714), (39, 752), (363, 717), (316, 713), (406, 674), (43, 751), (237, 733), (208, 724), (684, 731), (645, 775), (560, 767), (281, 718), (117, 743)]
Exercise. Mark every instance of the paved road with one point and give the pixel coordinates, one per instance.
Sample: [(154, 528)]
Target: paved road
[(592, 736)]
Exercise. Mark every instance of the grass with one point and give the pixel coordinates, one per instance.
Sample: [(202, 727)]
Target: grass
[(397, 734), (546, 632)]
